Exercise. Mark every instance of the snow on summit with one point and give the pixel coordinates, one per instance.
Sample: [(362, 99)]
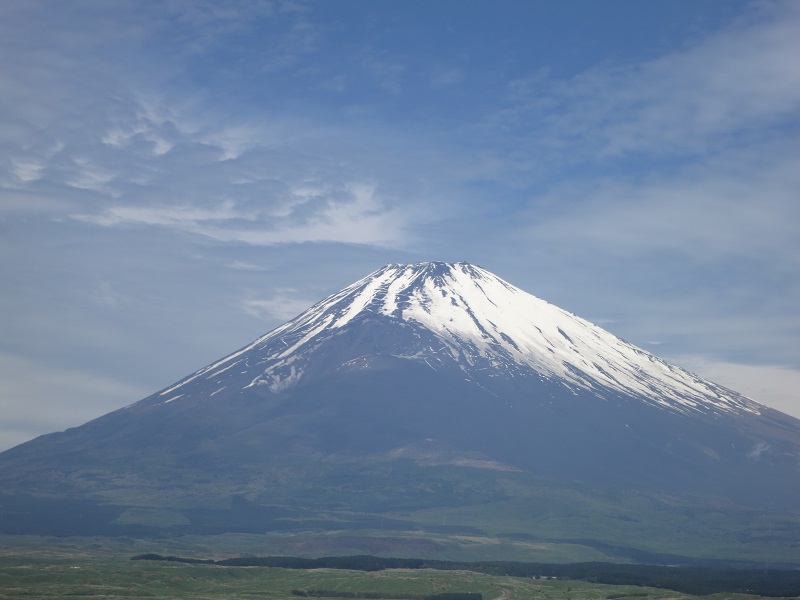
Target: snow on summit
[(488, 327)]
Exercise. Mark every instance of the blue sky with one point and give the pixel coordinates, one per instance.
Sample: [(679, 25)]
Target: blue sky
[(179, 177)]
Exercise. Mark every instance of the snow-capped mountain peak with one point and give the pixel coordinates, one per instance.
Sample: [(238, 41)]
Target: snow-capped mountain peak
[(460, 314), (428, 386)]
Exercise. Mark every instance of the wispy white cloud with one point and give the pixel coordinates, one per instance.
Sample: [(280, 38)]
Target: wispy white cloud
[(234, 140), (735, 82), (215, 18), (200, 29), (284, 305), (27, 170), (355, 215), (123, 135), (243, 265), (359, 217), (703, 213), (121, 149), (90, 176), (182, 217)]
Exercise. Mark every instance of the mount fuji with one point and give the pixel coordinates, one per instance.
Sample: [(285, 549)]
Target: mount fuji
[(420, 388)]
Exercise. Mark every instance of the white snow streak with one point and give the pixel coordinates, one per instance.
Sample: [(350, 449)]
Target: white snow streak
[(485, 322)]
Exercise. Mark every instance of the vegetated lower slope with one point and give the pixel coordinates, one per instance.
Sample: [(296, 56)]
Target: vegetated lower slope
[(69, 568), (690, 580), (432, 397)]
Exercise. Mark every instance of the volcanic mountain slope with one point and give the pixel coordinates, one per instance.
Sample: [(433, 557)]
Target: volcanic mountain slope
[(413, 368), (457, 317)]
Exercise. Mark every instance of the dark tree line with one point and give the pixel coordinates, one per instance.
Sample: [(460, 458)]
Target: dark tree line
[(388, 596)]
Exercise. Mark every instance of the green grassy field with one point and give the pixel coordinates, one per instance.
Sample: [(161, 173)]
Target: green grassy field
[(35, 568)]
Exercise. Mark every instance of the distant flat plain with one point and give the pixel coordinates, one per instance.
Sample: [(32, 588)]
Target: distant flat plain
[(45, 568)]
